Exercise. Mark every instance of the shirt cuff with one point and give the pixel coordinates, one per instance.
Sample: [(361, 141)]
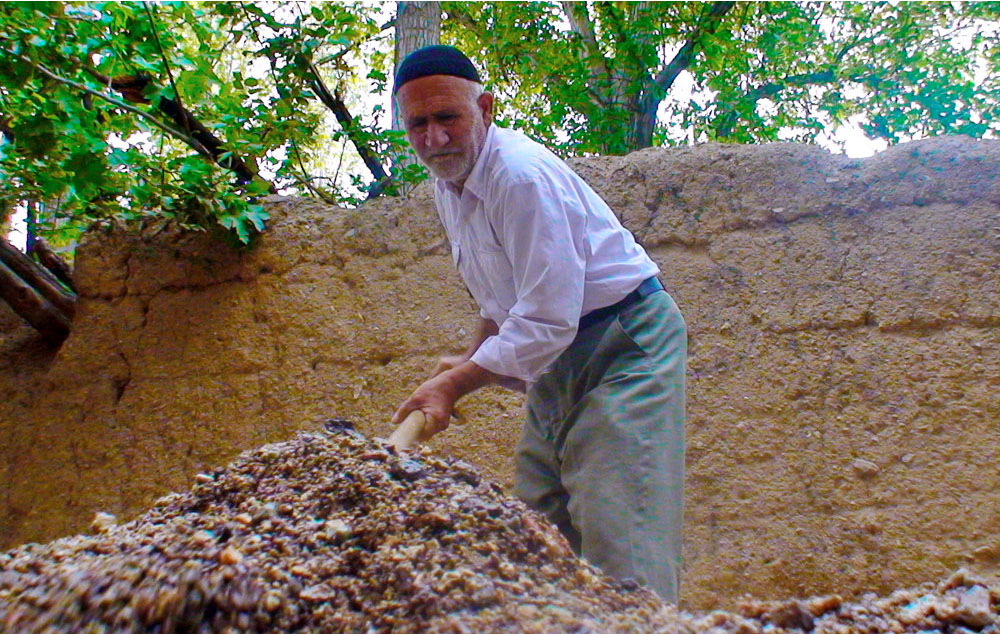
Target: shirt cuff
[(499, 357)]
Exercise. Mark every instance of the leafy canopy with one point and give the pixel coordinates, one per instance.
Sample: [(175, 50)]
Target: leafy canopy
[(187, 111), (595, 77), (193, 111)]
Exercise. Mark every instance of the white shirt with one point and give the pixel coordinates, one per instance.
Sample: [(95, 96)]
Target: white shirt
[(537, 248)]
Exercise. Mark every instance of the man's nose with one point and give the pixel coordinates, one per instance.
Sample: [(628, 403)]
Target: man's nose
[(437, 136)]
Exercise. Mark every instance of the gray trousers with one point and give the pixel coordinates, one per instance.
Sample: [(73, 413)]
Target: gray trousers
[(602, 454)]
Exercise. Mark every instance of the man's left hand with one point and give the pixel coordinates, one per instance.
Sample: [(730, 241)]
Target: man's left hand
[(436, 399), (436, 396)]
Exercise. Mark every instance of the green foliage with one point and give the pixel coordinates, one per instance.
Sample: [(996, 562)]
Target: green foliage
[(283, 91), (907, 68), (92, 151), (761, 71)]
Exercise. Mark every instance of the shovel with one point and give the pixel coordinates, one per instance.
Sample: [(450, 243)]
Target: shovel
[(410, 432)]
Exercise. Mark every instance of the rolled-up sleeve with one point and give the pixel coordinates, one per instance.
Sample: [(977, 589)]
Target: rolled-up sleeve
[(541, 225)]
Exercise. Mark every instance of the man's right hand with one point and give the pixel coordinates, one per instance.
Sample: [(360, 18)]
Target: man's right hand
[(446, 363)]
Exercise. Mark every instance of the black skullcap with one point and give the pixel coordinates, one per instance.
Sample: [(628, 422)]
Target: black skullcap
[(435, 60)]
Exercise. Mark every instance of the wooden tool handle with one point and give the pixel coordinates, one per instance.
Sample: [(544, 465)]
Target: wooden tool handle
[(410, 432)]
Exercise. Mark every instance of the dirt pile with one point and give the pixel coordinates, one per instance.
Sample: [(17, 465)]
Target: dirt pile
[(333, 532), (330, 533)]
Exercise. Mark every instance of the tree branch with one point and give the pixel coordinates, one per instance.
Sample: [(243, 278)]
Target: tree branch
[(200, 137), (792, 81), (334, 103), (651, 93), (34, 308), (668, 74), (48, 258), (347, 122), (768, 90), (467, 21), (295, 146), (347, 49), (38, 278), (580, 22), (118, 103), (166, 65), (5, 130)]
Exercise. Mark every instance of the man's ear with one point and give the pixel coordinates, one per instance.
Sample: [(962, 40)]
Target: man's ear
[(485, 103)]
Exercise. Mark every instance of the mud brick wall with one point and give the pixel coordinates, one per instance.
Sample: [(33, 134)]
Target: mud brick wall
[(844, 320)]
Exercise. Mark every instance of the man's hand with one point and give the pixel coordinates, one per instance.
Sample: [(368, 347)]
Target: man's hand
[(436, 396), (447, 363), (436, 399)]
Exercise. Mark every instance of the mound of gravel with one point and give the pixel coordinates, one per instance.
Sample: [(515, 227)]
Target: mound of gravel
[(334, 532)]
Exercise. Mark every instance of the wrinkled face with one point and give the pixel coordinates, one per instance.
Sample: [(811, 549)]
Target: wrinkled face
[(445, 119)]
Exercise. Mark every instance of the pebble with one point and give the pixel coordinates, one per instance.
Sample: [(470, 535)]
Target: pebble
[(865, 468), (230, 556), (974, 607), (337, 528), (103, 521)]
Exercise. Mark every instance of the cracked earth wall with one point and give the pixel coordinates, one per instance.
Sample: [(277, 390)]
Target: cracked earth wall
[(844, 320)]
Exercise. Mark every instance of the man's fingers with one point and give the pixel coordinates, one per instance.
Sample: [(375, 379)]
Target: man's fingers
[(401, 414), (432, 426), (447, 363), (405, 410)]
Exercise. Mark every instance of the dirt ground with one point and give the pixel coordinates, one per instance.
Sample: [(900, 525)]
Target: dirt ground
[(843, 319)]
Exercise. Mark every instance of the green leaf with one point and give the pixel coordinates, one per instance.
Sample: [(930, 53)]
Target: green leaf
[(258, 188)]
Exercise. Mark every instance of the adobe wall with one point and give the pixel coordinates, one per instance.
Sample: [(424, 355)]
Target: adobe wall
[(844, 321)]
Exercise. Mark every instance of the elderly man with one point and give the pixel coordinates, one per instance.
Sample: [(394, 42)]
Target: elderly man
[(572, 312)]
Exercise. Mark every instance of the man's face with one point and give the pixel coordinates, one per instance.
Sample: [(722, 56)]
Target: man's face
[(445, 123)]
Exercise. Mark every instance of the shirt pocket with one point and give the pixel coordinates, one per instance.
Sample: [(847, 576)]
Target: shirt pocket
[(495, 265), (495, 272)]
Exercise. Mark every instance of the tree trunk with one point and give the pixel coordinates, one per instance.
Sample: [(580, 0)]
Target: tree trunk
[(418, 24), (35, 309), (644, 119), (38, 279), (55, 264), (646, 102), (30, 223)]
